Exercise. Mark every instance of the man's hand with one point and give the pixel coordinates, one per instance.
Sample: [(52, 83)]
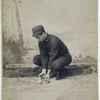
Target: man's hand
[(42, 73), (47, 78), (42, 76)]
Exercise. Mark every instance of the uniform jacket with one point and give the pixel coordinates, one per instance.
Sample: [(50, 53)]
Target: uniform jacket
[(50, 49)]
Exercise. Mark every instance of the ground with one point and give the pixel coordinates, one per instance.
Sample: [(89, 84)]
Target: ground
[(79, 87)]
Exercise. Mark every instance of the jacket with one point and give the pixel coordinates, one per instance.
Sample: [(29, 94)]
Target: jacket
[(50, 49)]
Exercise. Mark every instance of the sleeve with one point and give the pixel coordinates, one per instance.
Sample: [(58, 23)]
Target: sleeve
[(53, 53), (43, 55)]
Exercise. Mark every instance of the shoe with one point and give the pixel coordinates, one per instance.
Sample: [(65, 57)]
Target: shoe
[(58, 75), (52, 75)]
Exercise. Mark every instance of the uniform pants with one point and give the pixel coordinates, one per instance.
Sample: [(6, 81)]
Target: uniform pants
[(57, 65)]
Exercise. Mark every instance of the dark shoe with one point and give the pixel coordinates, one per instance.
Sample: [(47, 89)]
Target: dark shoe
[(52, 75), (58, 75)]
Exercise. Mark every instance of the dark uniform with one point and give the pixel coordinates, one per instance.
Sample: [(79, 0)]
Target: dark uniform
[(54, 54)]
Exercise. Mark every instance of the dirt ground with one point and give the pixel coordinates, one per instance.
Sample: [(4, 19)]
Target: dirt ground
[(79, 87)]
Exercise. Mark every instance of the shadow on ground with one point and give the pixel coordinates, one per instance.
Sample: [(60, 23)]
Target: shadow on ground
[(71, 70)]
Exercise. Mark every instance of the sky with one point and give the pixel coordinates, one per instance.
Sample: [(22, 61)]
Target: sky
[(74, 21)]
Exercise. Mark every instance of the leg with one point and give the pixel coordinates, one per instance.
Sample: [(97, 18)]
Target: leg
[(58, 65), (37, 60)]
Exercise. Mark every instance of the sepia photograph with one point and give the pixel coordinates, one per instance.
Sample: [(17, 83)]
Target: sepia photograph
[(50, 49)]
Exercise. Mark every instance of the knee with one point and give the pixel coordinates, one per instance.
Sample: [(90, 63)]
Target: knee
[(56, 66), (35, 59), (70, 60)]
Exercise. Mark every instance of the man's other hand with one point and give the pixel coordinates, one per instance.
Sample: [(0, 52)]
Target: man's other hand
[(47, 78), (42, 73)]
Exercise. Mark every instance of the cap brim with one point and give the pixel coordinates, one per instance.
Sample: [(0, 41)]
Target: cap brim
[(35, 34)]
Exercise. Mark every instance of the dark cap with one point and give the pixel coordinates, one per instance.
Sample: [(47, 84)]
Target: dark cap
[(37, 30)]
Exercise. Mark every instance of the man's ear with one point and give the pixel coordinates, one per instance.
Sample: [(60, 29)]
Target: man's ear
[(44, 34)]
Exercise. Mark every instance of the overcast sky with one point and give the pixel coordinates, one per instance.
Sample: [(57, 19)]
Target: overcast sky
[(74, 21)]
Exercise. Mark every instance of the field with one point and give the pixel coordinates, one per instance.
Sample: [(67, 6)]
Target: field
[(79, 84)]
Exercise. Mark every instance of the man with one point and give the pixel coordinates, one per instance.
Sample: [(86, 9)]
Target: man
[(54, 55)]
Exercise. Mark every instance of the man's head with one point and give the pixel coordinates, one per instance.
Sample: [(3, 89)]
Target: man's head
[(39, 32)]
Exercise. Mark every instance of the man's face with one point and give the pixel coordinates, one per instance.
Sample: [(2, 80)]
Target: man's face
[(41, 36), (38, 36)]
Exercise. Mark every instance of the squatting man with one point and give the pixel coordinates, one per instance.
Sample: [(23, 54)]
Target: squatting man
[(54, 54)]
